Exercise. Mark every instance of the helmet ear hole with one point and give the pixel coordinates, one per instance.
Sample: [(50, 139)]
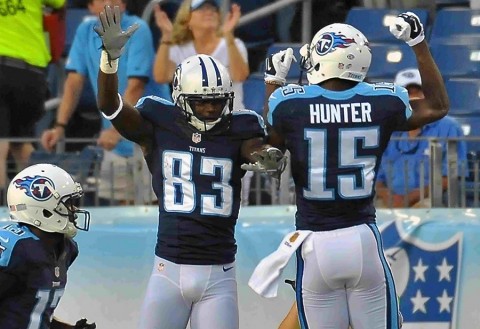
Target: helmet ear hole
[(46, 213)]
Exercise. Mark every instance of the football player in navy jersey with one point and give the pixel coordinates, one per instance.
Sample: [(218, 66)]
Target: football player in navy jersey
[(336, 129), (37, 249), (194, 148)]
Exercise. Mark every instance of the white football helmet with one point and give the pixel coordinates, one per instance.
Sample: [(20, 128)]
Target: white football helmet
[(43, 196), (201, 78), (336, 51)]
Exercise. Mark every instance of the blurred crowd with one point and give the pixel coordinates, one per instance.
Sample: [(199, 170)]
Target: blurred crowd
[(64, 65)]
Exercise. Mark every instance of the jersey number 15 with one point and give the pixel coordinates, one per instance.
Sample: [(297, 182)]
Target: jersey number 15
[(348, 159)]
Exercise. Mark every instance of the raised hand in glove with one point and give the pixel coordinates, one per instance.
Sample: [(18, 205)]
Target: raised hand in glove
[(409, 28), (82, 324), (113, 38), (269, 160), (278, 65)]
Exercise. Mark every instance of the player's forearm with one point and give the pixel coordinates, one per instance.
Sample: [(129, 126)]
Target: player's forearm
[(269, 89), (107, 98), (126, 120), (432, 82)]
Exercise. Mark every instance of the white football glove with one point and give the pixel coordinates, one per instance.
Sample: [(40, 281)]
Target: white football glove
[(409, 28), (277, 66), (270, 161)]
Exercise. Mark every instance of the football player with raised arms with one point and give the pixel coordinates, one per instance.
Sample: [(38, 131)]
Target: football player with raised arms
[(194, 148), (37, 250), (336, 129)]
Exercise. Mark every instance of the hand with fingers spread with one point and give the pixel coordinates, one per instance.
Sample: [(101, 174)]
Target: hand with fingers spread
[(277, 66), (408, 27), (113, 38), (268, 160)]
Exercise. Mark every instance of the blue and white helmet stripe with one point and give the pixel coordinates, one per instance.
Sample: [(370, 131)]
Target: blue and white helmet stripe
[(207, 73)]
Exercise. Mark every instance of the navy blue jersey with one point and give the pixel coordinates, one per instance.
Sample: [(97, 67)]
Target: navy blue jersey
[(197, 180), (336, 140), (35, 275)]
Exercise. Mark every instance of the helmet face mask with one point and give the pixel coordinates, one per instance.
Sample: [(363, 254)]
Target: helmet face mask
[(44, 196), (202, 88), (336, 51)]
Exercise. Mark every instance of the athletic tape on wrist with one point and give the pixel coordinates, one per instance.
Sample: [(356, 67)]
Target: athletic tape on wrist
[(106, 66)]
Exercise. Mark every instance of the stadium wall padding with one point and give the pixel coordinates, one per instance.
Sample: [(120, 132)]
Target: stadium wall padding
[(434, 254)]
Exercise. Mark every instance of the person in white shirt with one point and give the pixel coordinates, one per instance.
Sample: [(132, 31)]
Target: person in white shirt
[(198, 29)]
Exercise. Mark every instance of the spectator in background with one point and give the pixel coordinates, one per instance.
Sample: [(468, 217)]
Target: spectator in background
[(198, 29), (135, 81), (394, 187), (23, 86)]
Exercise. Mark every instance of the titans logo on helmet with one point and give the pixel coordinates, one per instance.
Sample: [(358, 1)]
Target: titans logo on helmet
[(38, 187), (331, 41)]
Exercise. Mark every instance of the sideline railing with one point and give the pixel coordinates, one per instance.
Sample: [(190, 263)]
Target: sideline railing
[(462, 190)]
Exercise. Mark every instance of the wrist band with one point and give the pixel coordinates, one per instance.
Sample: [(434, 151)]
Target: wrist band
[(108, 66), (114, 114)]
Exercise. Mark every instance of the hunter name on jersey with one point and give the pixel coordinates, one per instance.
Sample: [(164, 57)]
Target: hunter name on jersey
[(337, 113)]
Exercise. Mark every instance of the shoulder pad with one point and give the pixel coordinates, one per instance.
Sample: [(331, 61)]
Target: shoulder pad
[(10, 234), (248, 123)]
